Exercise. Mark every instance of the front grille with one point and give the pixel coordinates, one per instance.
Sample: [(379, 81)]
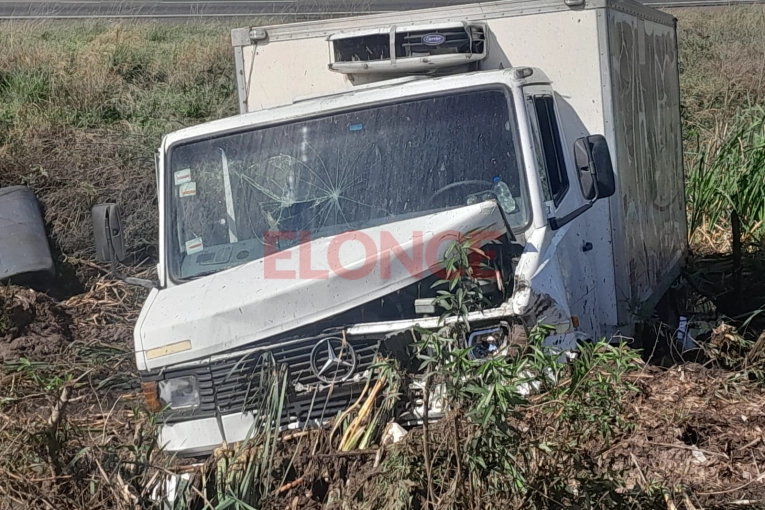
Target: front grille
[(232, 384)]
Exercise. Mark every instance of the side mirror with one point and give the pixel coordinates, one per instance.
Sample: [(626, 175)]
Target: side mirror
[(593, 163), (107, 230)]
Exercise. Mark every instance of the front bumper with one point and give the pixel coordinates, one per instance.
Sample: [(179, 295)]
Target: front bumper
[(226, 382), (200, 437)]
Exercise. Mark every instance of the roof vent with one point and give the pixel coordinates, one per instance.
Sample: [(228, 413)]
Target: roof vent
[(408, 49)]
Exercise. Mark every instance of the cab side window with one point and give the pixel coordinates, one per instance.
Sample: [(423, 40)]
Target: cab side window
[(552, 149)]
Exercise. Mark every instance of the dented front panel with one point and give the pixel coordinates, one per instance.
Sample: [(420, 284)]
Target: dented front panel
[(554, 288), (299, 286)]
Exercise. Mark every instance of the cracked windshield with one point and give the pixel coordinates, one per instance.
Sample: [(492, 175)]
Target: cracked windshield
[(347, 171)]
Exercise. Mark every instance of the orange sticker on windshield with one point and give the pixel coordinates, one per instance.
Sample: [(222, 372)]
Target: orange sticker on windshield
[(188, 189), (194, 246)]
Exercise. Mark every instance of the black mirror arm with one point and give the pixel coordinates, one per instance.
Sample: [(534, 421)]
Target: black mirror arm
[(557, 223), (141, 282)]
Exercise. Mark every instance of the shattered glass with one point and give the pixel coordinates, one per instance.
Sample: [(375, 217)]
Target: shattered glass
[(341, 172)]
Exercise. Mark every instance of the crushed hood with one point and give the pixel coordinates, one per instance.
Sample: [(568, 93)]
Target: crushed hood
[(266, 297)]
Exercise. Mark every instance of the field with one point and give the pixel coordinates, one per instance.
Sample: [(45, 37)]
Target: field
[(82, 109)]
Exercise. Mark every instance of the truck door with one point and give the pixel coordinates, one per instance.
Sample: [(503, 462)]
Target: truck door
[(562, 195)]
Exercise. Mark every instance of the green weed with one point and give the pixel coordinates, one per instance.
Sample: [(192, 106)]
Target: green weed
[(728, 183), (518, 424), (723, 92)]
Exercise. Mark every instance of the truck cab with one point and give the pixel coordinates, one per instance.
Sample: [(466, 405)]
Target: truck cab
[(309, 232)]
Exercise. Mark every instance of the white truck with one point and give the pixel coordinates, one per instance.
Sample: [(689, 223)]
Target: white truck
[(310, 228)]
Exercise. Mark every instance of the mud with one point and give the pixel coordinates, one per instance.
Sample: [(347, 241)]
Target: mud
[(32, 325)]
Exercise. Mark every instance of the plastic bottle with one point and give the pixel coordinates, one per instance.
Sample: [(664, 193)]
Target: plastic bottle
[(504, 197)]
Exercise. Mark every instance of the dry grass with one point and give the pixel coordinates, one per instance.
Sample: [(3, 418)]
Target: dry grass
[(722, 52), (697, 429), (84, 106), (73, 433)]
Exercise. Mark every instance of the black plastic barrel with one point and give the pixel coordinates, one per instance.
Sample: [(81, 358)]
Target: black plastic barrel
[(25, 257)]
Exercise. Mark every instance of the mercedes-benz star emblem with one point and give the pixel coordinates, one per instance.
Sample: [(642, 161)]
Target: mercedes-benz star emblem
[(332, 360)]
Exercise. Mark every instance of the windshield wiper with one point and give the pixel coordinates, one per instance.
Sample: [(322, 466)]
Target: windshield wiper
[(197, 276)]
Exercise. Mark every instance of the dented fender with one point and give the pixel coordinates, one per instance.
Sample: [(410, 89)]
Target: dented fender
[(539, 294)]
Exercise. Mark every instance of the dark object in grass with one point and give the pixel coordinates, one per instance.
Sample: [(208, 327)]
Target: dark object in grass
[(25, 257)]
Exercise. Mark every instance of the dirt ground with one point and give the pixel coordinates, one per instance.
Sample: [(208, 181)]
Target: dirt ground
[(69, 399), (697, 428), (36, 327), (70, 404)]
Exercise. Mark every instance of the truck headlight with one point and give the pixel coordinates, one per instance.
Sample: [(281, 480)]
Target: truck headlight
[(487, 343), (179, 393)]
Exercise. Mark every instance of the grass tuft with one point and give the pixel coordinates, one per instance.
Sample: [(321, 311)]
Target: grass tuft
[(722, 79)]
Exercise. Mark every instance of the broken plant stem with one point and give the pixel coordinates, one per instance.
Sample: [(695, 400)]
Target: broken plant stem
[(345, 413), (53, 422), (58, 409), (353, 433), (670, 504), (426, 438), (457, 455), (288, 486)]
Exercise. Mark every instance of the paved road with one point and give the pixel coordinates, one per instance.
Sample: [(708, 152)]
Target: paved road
[(206, 8), (244, 8)]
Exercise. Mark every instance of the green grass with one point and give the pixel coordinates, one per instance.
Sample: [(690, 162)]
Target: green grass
[(728, 183), (147, 77), (83, 107), (722, 79)]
